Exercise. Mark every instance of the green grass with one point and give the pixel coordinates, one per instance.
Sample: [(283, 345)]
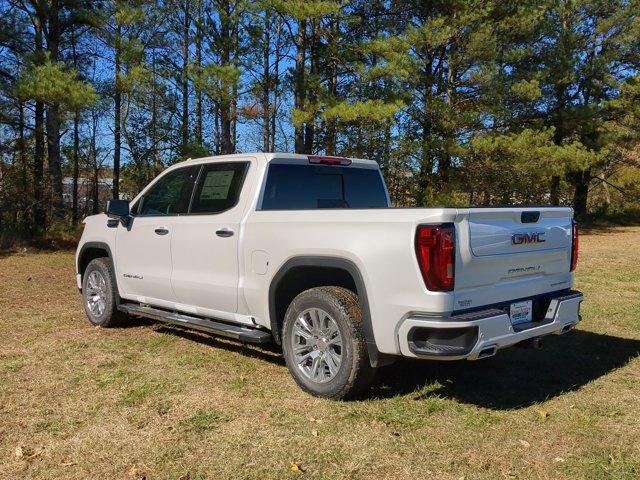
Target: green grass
[(203, 421), (150, 401)]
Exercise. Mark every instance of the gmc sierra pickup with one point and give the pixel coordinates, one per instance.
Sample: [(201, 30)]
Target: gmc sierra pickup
[(306, 251)]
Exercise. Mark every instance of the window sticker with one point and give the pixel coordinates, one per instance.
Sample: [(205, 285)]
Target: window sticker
[(216, 185)]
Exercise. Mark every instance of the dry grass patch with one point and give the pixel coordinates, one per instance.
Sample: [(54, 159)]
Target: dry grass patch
[(156, 402)]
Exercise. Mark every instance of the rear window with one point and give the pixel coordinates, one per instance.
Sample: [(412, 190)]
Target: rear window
[(305, 187)]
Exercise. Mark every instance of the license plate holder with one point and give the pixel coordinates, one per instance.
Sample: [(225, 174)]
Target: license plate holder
[(521, 312)]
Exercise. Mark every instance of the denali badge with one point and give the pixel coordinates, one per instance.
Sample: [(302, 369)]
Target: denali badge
[(522, 238), (132, 275)]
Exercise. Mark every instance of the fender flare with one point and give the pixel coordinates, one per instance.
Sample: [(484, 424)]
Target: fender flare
[(375, 356), (100, 246)]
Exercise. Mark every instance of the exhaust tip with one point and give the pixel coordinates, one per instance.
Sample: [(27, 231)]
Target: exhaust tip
[(488, 351)]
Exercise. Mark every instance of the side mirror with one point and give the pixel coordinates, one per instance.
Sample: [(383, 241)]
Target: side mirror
[(118, 209)]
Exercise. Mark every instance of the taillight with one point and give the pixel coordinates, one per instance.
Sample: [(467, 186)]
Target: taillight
[(574, 246), (436, 252), (327, 160)]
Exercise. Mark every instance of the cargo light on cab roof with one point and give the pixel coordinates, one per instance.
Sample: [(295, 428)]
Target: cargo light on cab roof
[(327, 160)]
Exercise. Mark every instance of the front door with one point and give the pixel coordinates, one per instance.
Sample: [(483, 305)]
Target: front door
[(204, 244), (143, 250)]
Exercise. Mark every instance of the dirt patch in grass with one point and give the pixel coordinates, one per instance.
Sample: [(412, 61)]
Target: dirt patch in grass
[(157, 402)]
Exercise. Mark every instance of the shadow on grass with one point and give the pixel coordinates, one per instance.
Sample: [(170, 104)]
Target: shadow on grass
[(514, 378), (270, 352)]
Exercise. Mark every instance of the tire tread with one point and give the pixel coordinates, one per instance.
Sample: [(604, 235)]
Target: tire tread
[(361, 373)]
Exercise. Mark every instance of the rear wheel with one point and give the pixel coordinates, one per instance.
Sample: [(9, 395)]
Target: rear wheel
[(324, 344), (99, 294)]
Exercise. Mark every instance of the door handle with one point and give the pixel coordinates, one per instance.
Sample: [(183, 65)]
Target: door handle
[(224, 232), (161, 231)]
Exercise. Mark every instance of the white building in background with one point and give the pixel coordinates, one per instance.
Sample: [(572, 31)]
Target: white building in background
[(85, 191)]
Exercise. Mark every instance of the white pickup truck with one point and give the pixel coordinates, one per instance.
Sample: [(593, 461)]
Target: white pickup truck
[(305, 251)]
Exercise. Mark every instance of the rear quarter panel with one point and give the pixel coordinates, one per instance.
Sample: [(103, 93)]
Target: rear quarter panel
[(380, 242)]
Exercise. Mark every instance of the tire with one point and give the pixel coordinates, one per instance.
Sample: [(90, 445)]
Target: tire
[(101, 307), (312, 361)]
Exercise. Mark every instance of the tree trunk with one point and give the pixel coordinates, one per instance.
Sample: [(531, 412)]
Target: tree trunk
[(39, 215), (184, 77), (22, 157), (225, 60), (155, 153), (53, 118), (310, 128), (96, 171), (217, 130), (444, 166), (299, 82), (330, 133), (117, 127), (266, 83), (199, 32), (96, 189), (426, 160), (554, 196), (276, 85), (76, 146), (54, 159), (580, 181), (605, 188), (76, 167)]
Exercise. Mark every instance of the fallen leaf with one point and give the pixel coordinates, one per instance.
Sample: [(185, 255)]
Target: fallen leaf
[(35, 454), (296, 467), (18, 452), (68, 464), (524, 443), (559, 459), (544, 414), (314, 433)]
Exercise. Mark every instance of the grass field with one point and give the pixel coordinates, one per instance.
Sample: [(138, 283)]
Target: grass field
[(153, 402)]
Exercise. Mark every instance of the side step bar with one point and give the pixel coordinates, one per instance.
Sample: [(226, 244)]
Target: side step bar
[(244, 334)]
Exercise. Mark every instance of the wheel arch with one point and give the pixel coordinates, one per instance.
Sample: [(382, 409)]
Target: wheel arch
[(293, 278), (92, 250)]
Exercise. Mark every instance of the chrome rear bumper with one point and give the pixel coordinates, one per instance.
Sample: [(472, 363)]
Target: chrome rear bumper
[(480, 334)]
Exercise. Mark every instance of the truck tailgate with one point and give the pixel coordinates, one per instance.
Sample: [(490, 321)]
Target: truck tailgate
[(503, 246)]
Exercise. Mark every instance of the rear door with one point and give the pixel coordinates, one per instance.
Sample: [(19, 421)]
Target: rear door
[(204, 244), (499, 246), (143, 250)]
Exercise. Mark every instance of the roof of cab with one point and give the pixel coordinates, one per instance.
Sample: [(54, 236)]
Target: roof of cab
[(269, 156)]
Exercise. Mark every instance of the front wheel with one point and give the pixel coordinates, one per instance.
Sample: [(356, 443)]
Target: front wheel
[(99, 294), (324, 344)]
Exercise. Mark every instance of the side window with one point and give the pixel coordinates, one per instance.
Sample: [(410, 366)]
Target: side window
[(218, 187), (170, 195)]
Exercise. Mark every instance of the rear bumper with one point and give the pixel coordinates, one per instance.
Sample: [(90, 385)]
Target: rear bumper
[(480, 334)]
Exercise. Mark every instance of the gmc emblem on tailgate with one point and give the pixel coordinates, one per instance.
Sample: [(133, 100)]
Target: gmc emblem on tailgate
[(524, 238)]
